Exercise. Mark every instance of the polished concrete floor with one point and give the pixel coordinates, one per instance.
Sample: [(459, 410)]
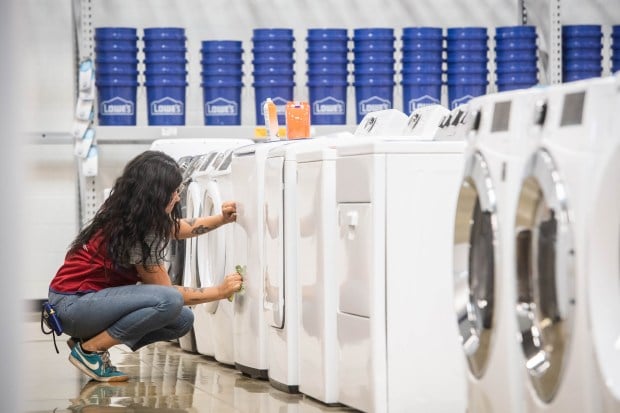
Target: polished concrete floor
[(164, 379)]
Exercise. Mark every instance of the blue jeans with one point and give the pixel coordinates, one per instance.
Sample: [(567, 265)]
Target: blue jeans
[(136, 315)]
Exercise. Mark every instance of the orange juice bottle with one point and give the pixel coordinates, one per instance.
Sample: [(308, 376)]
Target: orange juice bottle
[(297, 120)]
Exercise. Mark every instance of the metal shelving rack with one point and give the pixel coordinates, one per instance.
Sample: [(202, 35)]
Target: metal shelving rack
[(549, 23)]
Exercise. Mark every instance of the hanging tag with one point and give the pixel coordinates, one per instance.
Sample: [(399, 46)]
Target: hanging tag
[(83, 109), (79, 128), (86, 75), (90, 164), (82, 146)]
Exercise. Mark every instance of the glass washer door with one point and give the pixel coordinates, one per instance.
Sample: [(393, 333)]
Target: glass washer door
[(545, 272), (475, 262)]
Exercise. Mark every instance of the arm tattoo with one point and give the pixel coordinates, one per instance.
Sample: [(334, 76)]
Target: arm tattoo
[(193, 300), (200, 230)]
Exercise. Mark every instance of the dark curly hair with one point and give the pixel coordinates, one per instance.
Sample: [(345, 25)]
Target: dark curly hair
[(135, 211)]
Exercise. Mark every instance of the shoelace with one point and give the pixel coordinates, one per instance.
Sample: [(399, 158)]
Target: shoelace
[(107, 364)]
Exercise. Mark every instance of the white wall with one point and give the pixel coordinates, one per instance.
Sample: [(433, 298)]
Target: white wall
[(47, 61)]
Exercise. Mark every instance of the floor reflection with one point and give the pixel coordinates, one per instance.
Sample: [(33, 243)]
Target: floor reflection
[(164, 379)]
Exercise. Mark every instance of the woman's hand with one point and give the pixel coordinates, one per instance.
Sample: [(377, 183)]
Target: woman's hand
[(232, 283), (229, 212)]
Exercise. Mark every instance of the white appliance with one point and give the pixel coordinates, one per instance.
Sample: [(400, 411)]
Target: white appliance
[(197, 274), (603, 265), (503, 131), (397, 340), (561, 373), (190, 199), (281, 298), (185, 152), (209, 254), (215, 257), (249, 324)]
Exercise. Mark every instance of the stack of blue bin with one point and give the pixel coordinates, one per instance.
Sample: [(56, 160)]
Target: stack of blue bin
[(165, 75), (516, 62), (582, 47), (373, 70), (328, 73), (467, 60), (116, 74), (615, 48), (222, 81), (274, 74), (422, 49)]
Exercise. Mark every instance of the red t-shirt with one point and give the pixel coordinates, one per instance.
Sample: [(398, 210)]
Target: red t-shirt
[(89, 270)]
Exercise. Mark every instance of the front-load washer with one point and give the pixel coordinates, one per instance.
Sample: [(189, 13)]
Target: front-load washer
[(603, 266), (556, 337), (208, 250), (503, 132), (215, 260), (183, 150), (190, 197), (397, 340), (281, 298), (249, 325), (198, 179)]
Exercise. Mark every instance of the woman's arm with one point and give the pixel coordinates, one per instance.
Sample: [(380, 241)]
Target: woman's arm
[(197, 226), (191, 295)]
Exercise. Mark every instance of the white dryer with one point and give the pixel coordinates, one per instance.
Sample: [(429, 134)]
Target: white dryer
[(282, 296), (397, 340), (504, 130), (560, 371), (249, 325)]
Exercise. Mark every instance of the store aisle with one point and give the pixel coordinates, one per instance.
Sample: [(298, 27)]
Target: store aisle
[(164, 378)]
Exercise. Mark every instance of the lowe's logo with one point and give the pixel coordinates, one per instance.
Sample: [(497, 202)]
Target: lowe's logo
[(117, 106), (373, 104), (280, 105), (167, 106), (221, 107), (422, 101), (460, 101), (328, 106)]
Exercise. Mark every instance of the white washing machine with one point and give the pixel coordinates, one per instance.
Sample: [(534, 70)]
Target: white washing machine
[(397, 340), (281, 297), (503, 132), (183, 150), (560, 371), (208, 250), (215, 256), (249, 324), (603, 266), (190, 201), (195, 273)]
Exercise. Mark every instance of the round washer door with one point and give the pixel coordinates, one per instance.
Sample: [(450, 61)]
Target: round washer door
[(476, 262), (603, 271), (210, 248), (545, 270), (175, 253), (194, 210)]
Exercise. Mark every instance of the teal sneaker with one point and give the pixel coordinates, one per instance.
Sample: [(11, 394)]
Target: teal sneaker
[(95, 365)]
